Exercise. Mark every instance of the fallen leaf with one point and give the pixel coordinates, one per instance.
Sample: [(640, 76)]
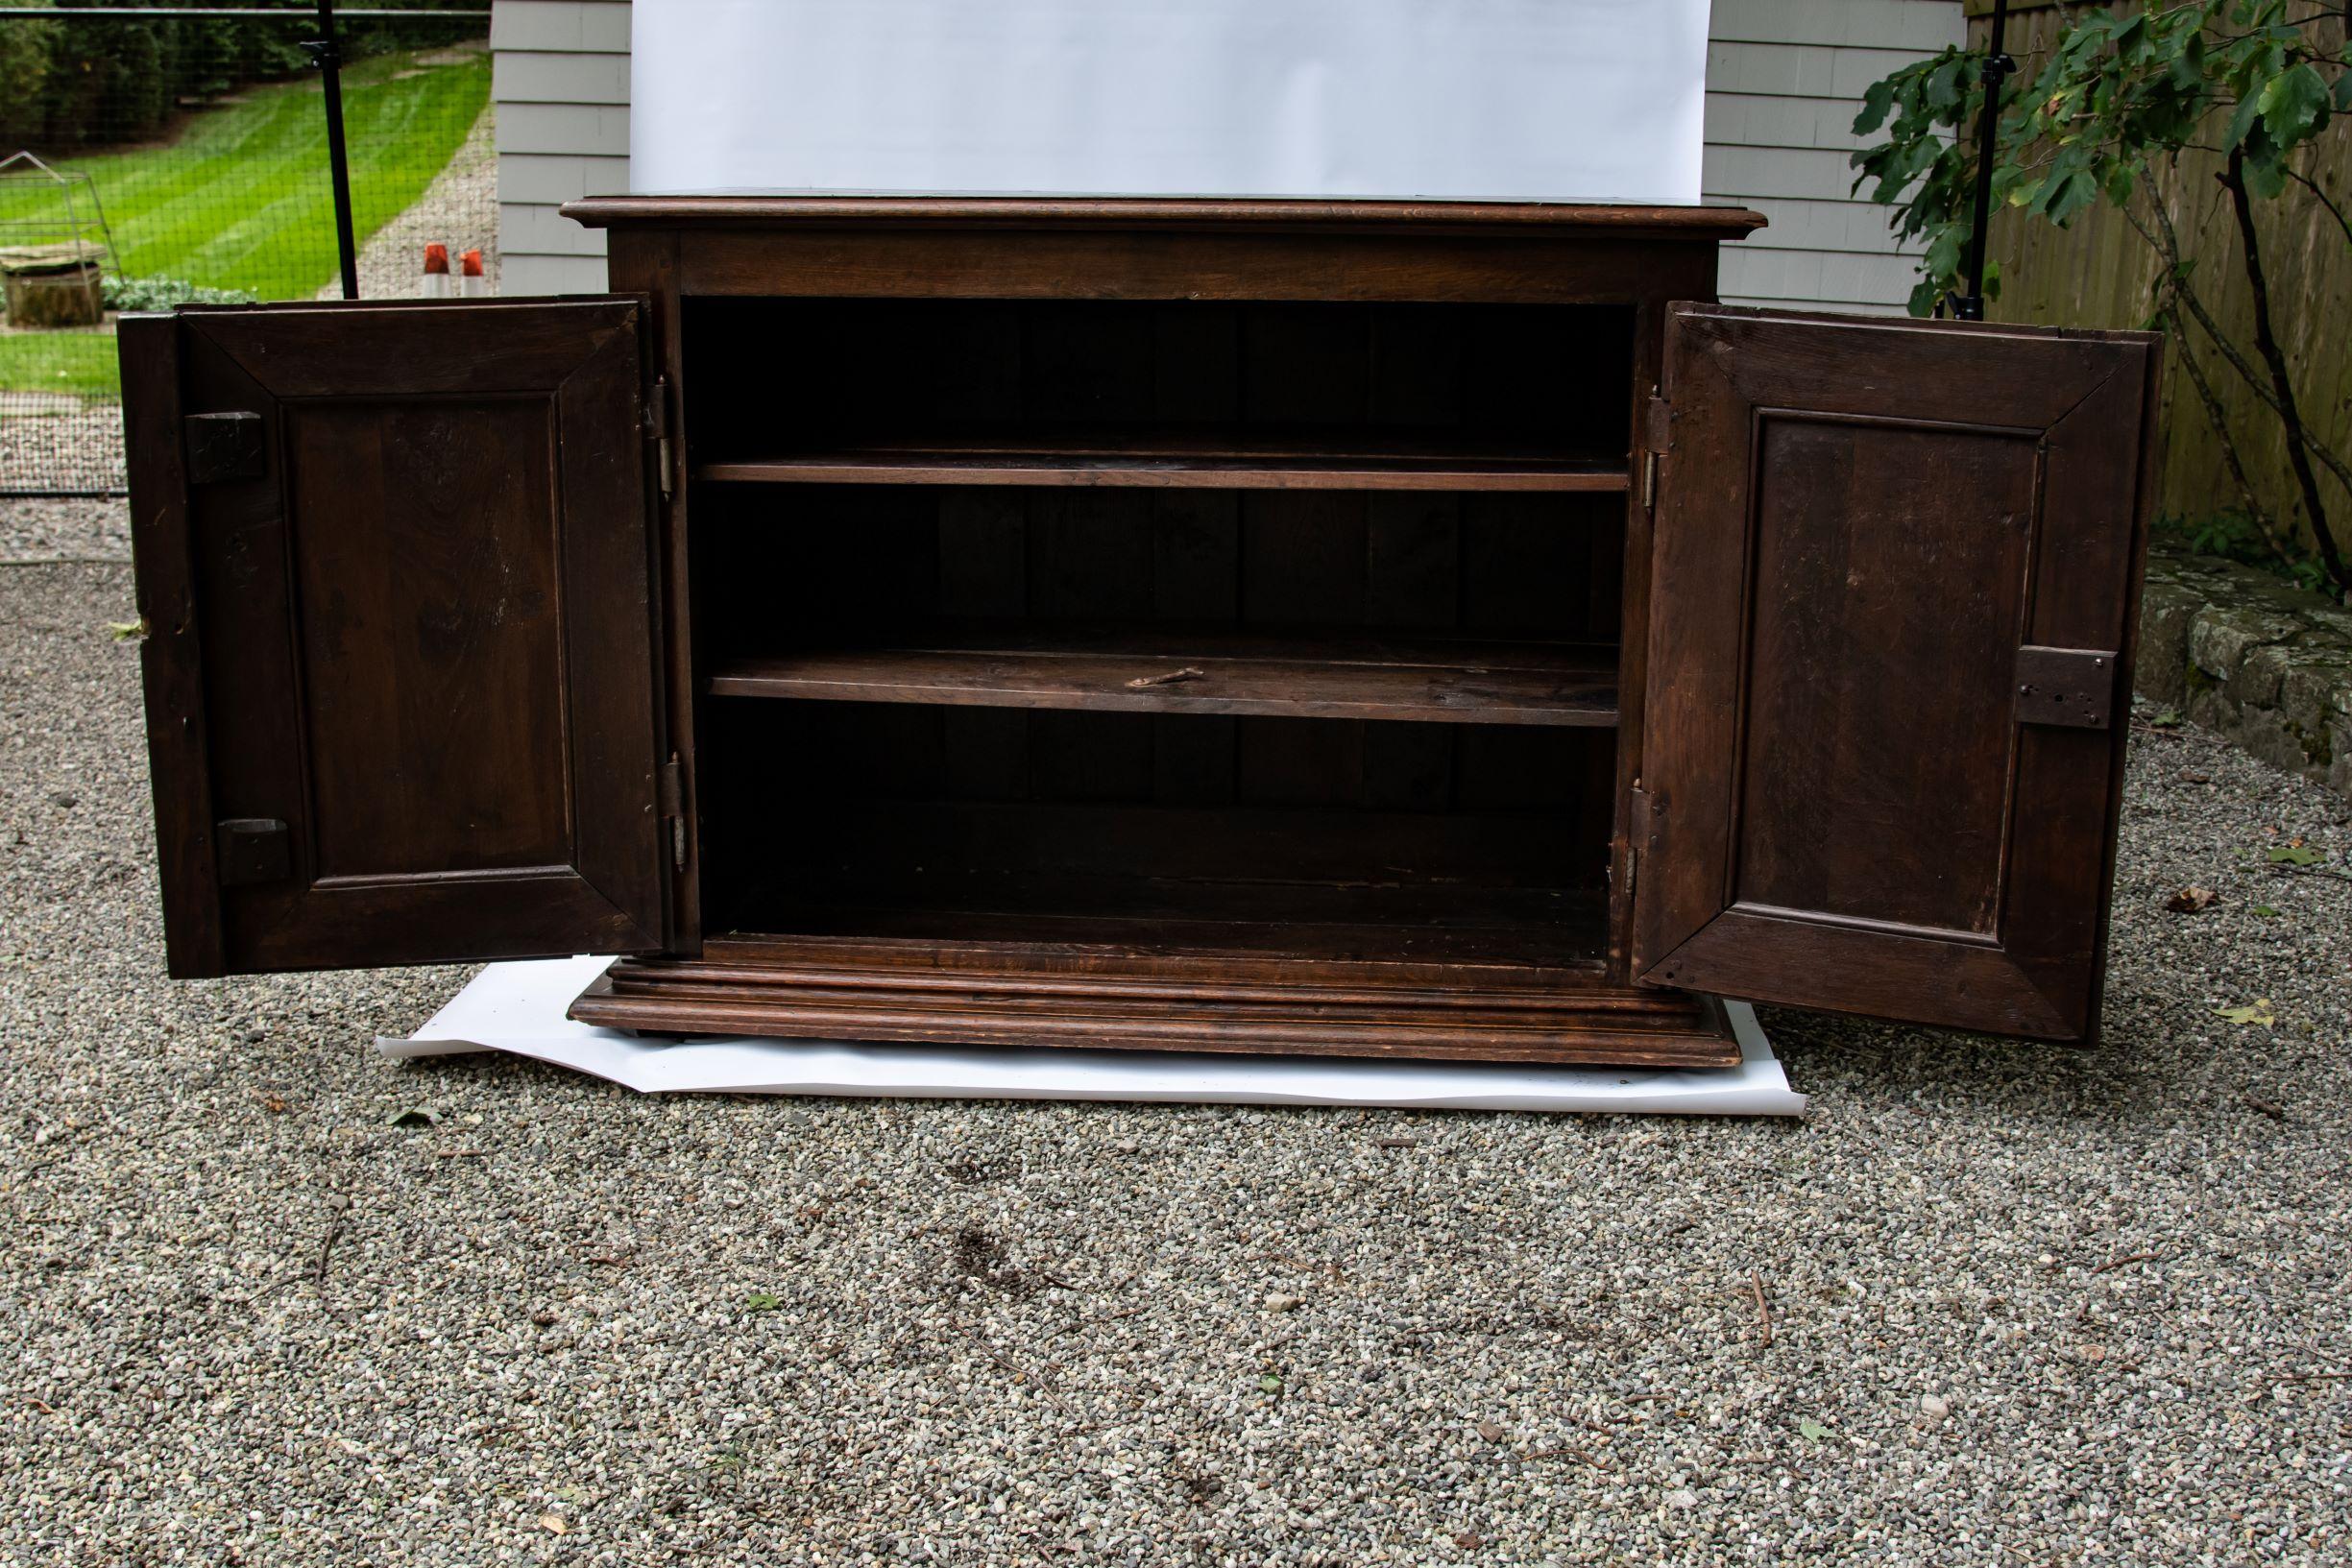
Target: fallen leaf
[(2166, 719), (2294, 855), (1812, 1429), (554, 1523), (2258, 1011), (2191, 899), (1491, 1432), (763, 1301), (1280, 1303), (1469, 1540), (1271, 1384), (127, 629), (274, 1104), (2266, 911)]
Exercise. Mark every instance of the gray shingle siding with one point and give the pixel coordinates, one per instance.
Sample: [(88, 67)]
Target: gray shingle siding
[(560, 78), (1784, 77)]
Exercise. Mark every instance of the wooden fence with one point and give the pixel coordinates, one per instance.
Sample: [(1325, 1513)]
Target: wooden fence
[(2099, 272)]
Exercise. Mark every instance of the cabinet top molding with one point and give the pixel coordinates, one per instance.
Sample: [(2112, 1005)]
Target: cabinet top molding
[(1562, 220)]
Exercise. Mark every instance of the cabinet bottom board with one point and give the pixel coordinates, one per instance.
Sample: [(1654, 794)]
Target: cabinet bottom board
[(1098, 998)]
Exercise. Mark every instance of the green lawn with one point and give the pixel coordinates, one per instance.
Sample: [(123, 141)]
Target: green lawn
[(81, 363), (239, 198)]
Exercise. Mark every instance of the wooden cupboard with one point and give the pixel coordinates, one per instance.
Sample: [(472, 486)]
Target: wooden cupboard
[(1339, 627)]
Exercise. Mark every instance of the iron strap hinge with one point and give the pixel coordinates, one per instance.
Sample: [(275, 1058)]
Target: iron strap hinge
[(669, 800), (657, 431), (1657, 435), (1641, 831)]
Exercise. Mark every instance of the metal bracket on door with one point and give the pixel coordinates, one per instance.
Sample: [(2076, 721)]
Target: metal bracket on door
[(223, 446), (1655, 439), (657, 431), (253, 850), (2074, 687)]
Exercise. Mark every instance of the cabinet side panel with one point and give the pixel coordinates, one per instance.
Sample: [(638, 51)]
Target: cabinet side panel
[(646, 262), (171, 662)]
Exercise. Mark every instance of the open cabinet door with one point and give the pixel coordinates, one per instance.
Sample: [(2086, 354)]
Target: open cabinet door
[(1895, 581), (393, 561)]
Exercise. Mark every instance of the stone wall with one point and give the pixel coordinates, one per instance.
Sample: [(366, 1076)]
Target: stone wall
[(2240, 651)]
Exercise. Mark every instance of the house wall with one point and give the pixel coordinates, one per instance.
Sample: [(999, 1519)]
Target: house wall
[(560, 78), (1782, 79)]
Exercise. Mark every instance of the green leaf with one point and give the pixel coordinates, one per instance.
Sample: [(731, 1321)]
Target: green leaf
[(1943, 90), (1812, 1429), (1877, 99), (2294, 104), (2256, 1012), (763, 1301), (2249, 109), (2294, 855), (2168, 719), (2266, 911), (2343, 93), (1270, 1383), (2070, 195), (2266, 166)]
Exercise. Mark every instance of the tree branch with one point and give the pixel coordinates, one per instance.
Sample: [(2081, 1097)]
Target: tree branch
[(2334, 211), (2214, 415), (2168, 247), (2233, 180)]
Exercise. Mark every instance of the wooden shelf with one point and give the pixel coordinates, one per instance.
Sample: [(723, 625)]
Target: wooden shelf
[(1179, 462), (1365, 922), (1148, 670)]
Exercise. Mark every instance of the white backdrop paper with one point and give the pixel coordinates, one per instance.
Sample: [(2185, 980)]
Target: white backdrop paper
[(1539, 100)]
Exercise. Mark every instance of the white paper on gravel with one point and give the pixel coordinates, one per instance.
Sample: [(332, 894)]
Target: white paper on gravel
[(518, 1008), (1531, 100)]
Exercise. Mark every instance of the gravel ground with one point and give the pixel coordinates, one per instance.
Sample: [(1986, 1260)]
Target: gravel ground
[(2025, 1304), (64, 530)]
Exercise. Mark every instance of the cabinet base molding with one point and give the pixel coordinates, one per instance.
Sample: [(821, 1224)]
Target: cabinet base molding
[(1007, 993)]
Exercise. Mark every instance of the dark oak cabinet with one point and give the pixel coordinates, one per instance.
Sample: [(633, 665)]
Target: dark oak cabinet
[(1346, 628)]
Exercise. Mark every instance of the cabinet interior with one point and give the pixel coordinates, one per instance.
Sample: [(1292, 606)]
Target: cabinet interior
[(1285, 630)]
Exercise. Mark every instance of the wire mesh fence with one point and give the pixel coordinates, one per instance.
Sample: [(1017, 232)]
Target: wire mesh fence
[(151, 155)]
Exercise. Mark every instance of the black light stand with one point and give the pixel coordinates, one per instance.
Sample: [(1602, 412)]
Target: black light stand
[(1970, 307), (329, 59)]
